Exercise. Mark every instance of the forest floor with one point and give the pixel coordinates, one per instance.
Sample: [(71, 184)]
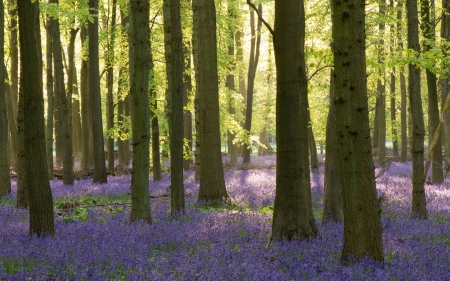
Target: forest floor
[(94, 239)]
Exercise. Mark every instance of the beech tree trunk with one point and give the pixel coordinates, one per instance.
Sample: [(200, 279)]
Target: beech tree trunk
[(140, 38), (445, 33), (292, 214), (86, 127), (403, 110), (381, 89), (332, 195), (95, 101), (212, 182), (362, 226), (38, 185), (5, 186), (392, 92), (14, 79), (187, 116), (418, 209)]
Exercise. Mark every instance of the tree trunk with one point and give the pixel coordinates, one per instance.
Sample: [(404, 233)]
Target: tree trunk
[(445, 34), (240, 60), (418, 209), (38, 185), (168, 57), (312, 144), (63, 112), (362, 226), (50, 100), (5, 186), (231, 134), (71, 80), (14, 79), (156, 150), (292, 215), (403, 111), (140, 202), (392, 92), (176, 113), (252, 66), (381, 89), (95, 102), (332, 195), (212, 181), (110, 83), (437, 175), (86, 151), (187, 117), (76, 118)]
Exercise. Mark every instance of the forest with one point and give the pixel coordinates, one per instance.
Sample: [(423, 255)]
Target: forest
[(224, 140)]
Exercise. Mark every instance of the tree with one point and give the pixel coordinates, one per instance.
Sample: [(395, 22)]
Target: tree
[(392, 87), (63, 112), (362, 226), (403, 110), (418, 208), (50, 98), (212, 181), (176, 112), (427, 27), (5, 186), (252, 66), (381, 88), (332, 195), (140, 38), (86, 149), (14, 79), (292, 215), (38, 185), (95, 102), (445, 33)]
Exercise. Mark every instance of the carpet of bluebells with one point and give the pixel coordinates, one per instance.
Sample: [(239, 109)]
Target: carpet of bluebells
[(228, 243)]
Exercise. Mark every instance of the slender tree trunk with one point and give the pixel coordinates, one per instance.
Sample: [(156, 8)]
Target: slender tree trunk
[(437, 175), (418, 209), (156, 148), (12, 121), (381, 88), (70, 83), (168, 57), (22, 198), (140, 202), (50, 101), (403, 110), (212, 181), (76, 118), (38, 185), (231, 134), (332, 196), (445, 34), (392, 92), (5, 186), (85, 108), (239, 61), (95, 103), (312, 144), (252, 66), (63, 112), (362, 225), (110, 84), (176, 117), (14, 79), (187, 117), (292, 215)]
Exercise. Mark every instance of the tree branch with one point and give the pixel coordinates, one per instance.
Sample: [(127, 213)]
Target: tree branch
[(261, 18), (317, 71)]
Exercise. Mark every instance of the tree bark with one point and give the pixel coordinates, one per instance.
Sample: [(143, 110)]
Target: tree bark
[(14, 79), (381, 89), (437, 175), (38, 185), (140, 38), (212, 181), (176, 116), (50, 101), (392, 92), (86, 127), (332, 195), (63, 112), (403, 110), (110, 84), (292, 216), (95, 102), (187, 117), (418, 209), (362, 226), (252, 66), (5, 186), (445, 33)]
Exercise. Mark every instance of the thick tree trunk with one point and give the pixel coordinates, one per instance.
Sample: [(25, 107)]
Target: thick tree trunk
[(5, 186), (86, 151), (63, 112), (292, 216), (176, 116), (95, 102), (418, 209), (332, 195), (140, 202), (38, 185), (212, 182), (362, 226)]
